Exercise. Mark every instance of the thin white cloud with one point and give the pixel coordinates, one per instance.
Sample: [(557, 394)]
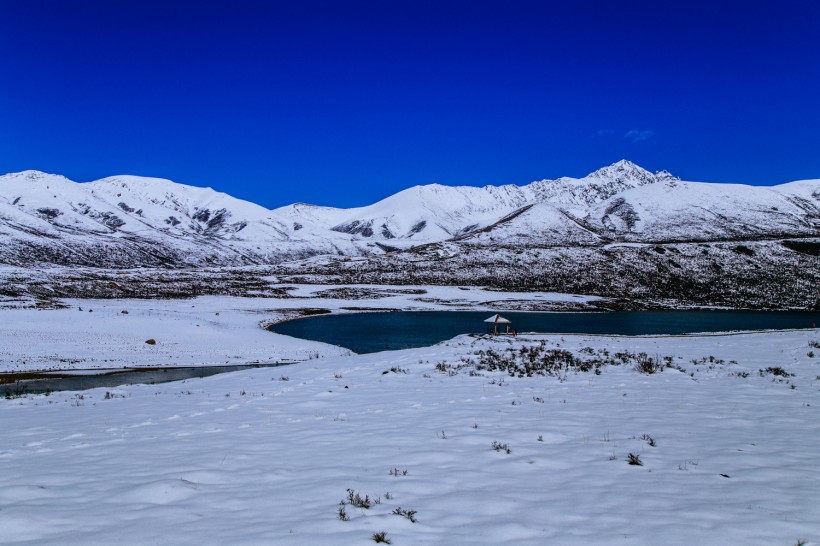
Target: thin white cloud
[(605, 132), (637, 135)]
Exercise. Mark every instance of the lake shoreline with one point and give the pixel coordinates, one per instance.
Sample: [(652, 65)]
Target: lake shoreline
[(224, 330)]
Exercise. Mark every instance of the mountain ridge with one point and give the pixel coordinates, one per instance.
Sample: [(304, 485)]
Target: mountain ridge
[(130, 221)]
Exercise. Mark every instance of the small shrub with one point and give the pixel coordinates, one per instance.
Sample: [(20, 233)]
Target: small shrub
[(397, 472), (646, 364), (648, 439), (634, 459), (540, 438), (380, 537), (777, 371), (342, 515), (498, 446), (355, 499), (409, 514)]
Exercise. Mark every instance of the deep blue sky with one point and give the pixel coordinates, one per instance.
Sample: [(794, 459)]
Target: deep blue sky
[(343, 103)]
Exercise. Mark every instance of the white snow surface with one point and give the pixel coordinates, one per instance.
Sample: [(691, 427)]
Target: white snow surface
[(264, 456)]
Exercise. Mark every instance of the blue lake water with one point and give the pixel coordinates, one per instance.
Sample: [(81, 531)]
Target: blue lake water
[(373, 332)]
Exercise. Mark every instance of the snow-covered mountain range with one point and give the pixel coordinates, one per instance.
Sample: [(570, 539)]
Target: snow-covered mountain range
[(130, 221)]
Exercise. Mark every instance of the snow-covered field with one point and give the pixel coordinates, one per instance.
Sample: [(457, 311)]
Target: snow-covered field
[(265, 456)]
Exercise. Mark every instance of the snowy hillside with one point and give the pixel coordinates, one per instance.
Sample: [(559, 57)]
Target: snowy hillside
[(434, 213), (620, 232), (692, 210), (127, 221), (135, 221)]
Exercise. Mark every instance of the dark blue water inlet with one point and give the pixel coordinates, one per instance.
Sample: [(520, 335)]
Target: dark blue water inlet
[(13, 384), (373, 332)]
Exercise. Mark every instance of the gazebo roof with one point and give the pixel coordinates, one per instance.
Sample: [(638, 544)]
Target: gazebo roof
[(498, 319)]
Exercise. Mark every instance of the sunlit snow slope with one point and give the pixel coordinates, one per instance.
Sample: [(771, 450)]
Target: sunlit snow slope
[(127, 221)]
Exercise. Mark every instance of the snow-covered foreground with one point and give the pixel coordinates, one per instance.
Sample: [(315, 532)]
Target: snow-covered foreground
[(255, 457), (210, 330)]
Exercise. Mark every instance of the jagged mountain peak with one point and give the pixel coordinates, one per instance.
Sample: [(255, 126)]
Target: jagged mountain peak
[(627, 170), (595, 187), (624, 171), (622, 165)]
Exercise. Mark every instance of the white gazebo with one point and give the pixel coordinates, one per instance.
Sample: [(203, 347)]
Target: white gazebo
[(496, 321)]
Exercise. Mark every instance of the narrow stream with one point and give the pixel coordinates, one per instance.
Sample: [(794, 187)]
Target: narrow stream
[(19, 383)]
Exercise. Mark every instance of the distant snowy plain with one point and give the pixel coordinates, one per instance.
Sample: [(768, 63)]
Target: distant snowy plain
[(266, 455)]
